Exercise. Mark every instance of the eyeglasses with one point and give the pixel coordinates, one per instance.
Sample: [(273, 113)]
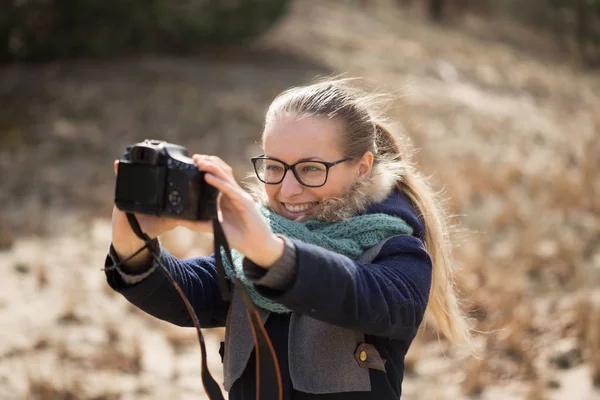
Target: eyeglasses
[(309, 173)]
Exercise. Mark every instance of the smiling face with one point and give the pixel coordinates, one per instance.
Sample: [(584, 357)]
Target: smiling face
[(291, 139)]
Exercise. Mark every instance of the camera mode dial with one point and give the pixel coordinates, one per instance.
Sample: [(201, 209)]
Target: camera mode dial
[(174, 198)]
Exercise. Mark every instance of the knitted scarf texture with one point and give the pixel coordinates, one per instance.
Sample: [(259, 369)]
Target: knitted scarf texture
[(349, 237)]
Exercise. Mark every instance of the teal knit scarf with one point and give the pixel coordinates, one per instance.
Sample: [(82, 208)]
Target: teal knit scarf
[(350, 237)]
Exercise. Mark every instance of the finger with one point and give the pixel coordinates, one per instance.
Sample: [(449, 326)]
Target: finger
[(197, 157), (219, 170), (216, 161), (232, 191), (116, 167), (219, 161)]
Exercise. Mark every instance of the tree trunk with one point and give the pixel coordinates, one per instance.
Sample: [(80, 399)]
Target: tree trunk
[(436, 10), (582, 29)]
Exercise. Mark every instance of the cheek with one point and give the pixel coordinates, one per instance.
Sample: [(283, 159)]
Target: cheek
[(337, 185), (331, 190), (271, 191)]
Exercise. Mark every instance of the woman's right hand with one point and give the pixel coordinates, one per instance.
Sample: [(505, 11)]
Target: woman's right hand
[(125, 241)]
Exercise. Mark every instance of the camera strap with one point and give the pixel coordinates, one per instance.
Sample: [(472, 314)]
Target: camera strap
[(268, 375)]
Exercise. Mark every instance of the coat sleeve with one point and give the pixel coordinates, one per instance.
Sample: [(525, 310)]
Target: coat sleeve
[(155, 295), (386, 298)]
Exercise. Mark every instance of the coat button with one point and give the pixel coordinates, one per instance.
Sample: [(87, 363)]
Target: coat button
[(363, 356)]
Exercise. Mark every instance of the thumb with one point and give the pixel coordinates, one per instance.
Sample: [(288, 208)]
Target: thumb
[(116, 166)]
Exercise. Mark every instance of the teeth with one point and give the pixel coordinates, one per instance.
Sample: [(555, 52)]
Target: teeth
[(299, 209)]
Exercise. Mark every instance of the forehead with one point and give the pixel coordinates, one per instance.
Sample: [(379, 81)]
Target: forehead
[(292, 138)]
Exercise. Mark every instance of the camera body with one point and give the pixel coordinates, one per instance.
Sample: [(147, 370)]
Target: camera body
[(159, 178)]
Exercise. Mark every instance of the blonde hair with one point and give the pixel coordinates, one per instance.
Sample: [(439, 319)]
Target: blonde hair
[(365, 131)]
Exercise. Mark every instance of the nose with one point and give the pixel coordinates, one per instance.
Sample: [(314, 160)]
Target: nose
[(290, 185)]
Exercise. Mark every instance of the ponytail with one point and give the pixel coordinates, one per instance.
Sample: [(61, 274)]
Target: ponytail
[(385, 143), (443, 303)]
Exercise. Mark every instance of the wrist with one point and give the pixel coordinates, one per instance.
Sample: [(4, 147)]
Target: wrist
[(266, 255), (137, 263)]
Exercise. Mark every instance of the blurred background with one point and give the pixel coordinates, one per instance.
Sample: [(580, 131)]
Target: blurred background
[(501, 100)]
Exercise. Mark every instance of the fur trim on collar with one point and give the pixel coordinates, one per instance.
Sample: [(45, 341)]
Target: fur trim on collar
[(384, 177)]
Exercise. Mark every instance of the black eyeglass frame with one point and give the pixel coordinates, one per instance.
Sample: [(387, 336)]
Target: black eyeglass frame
[(293, 169)]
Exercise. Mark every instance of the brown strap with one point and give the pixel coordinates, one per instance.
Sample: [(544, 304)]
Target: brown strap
[(268, 380), (268, 374)]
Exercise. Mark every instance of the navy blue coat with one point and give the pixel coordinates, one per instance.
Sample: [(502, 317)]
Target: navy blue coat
[(385, 300)]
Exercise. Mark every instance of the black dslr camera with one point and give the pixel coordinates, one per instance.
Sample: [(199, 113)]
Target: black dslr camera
[(159, 178)]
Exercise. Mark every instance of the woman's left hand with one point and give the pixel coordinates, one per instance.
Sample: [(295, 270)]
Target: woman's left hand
[(246, 229)]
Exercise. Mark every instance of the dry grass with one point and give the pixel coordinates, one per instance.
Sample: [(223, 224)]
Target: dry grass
[(64, 381), (412, 357), (69, 311), (107, 290), (47, 388), (56, 383), (584, 313), (41, 276), (116, 359), (117, 355), (181, 339), (537, 391), (593, 342), (474, 382), (113, 333), (6, 237), (42, 343), (121, 353), (59, 387)]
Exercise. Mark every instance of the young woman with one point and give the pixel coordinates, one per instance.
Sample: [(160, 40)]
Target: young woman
[(343, 257)]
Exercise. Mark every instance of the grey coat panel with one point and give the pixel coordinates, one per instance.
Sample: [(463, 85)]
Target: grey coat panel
[(315, 348)]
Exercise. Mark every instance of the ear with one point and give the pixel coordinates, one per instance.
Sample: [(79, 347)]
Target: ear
[(365, 165)]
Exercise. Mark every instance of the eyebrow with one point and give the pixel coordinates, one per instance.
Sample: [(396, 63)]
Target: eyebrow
[(300, 160), (310, 159)]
